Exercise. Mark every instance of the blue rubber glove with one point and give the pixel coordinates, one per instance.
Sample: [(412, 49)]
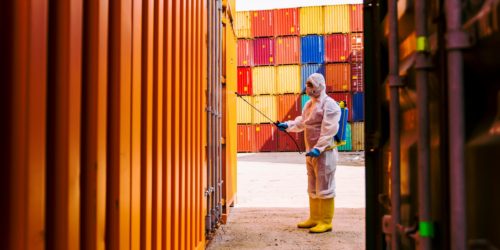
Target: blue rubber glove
[(313, 153), (282, 126)]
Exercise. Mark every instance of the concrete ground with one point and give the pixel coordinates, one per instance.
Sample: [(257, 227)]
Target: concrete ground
[(272, 198)]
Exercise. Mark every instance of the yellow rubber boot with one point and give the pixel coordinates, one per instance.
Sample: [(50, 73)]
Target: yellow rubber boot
[(326, 215), (313, 214)]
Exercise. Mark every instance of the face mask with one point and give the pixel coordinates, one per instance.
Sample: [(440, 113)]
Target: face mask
[(312, 92)]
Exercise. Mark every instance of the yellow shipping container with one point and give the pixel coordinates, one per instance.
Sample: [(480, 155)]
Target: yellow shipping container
[(267, 105), (311, 20), (288, 79), (244, 111), (243, 27), (358, 136), (264, 80), (337, 19)]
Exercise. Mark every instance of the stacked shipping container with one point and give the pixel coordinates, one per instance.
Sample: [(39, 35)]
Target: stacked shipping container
[(283, 48)]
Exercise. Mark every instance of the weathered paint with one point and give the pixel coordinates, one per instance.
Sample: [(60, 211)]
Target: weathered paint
[(311, 20), (288, 79), (337, 19), (286, 22), (264, 80)]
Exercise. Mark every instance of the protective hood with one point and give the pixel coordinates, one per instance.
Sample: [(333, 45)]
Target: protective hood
[(319, 88)]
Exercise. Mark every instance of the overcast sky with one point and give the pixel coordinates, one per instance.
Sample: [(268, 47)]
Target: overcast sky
[(280, 4)]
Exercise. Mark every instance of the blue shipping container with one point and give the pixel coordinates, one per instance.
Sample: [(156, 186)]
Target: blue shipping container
[(358, 113), (308, 69), (312, 49), (348, 139)]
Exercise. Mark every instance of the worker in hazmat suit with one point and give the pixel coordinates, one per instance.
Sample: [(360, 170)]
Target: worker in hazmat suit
[(320, 123)]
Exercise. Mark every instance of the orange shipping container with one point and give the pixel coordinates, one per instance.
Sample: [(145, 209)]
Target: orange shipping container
[(266, 138), (356, 17), (337, 47), (286, 22), (245, 53), (262, 23), (338, 77), (289, 107), (287, 50), (246, 137)]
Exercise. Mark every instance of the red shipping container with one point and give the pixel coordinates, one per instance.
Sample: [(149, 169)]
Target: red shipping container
[(286, 144), (347, 97), (264, 51), (245, 53), (266, 138), (356, 12), (289, 107), (245, 81), (288, 50), (356, 47), (337, 48), (262, 23), (286, 22), (338, 77), (246, 138), (357, 79)]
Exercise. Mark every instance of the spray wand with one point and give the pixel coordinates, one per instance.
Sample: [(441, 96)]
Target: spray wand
[(275, 123)]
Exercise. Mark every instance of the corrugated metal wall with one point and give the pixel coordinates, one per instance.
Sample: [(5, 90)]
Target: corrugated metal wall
[(243, 24), (267, 105), (356, 17), (263, 51), (264, 80), (311, 20), (289, 107), (245, 81), (262, 23), (338, 77), (337, 48), (266, 138), (337, 19), (244, 111), (358, 136), (105, 138), (288, 50), (312, 49), (286, 22), (245, 52), (288, 79)]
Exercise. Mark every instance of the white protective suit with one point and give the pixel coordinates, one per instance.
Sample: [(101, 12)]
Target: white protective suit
[(320, 123)]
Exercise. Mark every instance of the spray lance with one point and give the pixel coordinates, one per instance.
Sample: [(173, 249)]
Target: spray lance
[(274, 122)]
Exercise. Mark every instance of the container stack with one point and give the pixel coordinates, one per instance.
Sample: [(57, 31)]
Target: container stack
[(277, 50)]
